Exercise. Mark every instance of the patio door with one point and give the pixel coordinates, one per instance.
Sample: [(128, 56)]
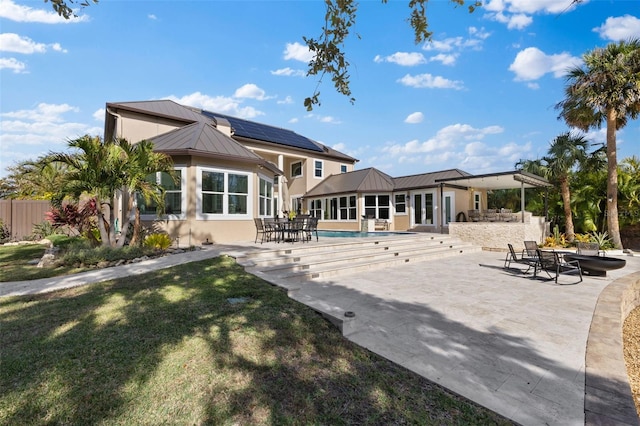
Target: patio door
[(423, 208), (449, 207)]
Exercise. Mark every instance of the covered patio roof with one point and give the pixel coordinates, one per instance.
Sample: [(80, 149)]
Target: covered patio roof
[(502, 180)]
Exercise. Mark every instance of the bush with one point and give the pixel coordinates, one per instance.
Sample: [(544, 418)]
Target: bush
[(157, 241), (81, 252), (602, 238), (5, 235), (42, 230)]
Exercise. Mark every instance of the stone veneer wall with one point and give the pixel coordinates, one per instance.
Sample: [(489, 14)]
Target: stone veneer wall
[(608, 399), (496, 235)]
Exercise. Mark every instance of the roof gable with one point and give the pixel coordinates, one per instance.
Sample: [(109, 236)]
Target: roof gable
[(365, 180), (204, 139)]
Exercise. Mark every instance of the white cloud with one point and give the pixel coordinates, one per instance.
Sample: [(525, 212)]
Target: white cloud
[(19, 13), (250, 91), (45, 125), (446, 139), (619, 28), (532, 63), (152, 17), (286, 101), (12, 64), (98, 115), (11, 42), (444, 58), (298, 52), (294, 120), (414, 118), (422, 81), (406, 59), (289, 72), (220, 104), (517, 13), (324, 118)]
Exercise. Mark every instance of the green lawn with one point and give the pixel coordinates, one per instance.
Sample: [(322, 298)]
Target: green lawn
[(14, 264), (170, 347)]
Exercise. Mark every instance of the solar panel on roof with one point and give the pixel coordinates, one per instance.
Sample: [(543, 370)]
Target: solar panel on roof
[(263, 132)]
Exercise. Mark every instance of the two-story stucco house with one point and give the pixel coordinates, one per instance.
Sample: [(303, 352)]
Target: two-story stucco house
[(231, 170)]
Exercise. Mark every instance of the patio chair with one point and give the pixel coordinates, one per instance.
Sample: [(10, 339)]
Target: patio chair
[(261, 231), (270, 228), (310, 226), (512, 256), (552, 263), (491, 215), (589, 249), (474, 215), (506, 215), (295, 229), (531, 248)]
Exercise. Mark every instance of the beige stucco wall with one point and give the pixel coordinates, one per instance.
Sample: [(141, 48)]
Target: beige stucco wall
[(136, 127), (400, 223), (496, 235)]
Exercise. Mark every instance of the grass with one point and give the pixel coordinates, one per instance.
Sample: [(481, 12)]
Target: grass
[(171, 347), (14, 264)]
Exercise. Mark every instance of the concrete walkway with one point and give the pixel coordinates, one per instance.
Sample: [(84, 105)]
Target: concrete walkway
[(510, 343)]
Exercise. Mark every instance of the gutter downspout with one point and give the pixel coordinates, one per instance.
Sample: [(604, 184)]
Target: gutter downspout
[(441, 215), (522, 203), (118, 121)]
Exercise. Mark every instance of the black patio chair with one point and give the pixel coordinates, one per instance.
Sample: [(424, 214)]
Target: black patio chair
[(531, 247), (588, 249), (261, 231), (553, 264), (310, 227), (512, 256)]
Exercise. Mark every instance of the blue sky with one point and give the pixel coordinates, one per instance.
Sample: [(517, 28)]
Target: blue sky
[(479, 97)]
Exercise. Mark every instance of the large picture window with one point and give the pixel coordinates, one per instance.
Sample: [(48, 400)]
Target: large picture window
[(377, 206), (174, 196), (223, 193)]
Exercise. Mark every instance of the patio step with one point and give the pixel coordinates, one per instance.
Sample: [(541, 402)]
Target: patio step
[(302, 263)]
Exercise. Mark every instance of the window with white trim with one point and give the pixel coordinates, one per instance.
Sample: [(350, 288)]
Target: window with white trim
[(377, 206), (175, 200), (296, 169), (265, 197), (223, 193), (318, 166), (315, 208), (401, 203)]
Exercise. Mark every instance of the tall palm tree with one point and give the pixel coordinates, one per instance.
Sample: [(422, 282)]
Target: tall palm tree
[(565, 152), (605, 90)]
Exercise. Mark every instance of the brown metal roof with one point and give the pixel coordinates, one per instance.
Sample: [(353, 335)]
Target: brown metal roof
[(502, 180), (205, 140), (426, 180), (365, 180), (163, 108)]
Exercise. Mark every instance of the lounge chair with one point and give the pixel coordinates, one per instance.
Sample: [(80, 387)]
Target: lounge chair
[(552, 263), (588, 249), (512, 256)]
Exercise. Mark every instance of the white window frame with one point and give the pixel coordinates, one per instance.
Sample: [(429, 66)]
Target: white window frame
[(301, 169), (268, 200), (344, 167), (377, 206), (225, 203), (317, 162), (405, 202), (183, 198), (316, 206), (477, 200)]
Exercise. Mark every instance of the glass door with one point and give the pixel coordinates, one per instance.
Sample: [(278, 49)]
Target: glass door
[(423, 209)]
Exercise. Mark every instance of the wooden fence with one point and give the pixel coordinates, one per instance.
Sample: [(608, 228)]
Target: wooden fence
[(20, 216)]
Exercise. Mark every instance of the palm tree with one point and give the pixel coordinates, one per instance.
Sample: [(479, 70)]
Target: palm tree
[(565, 152), (143, 163), (605, 90), (95, 170)]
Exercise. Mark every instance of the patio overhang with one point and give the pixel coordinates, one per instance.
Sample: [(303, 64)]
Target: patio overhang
[(504, 180)]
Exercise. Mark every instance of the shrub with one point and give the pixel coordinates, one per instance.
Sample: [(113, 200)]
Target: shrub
[(82, 252), (157, 241), (602, 238), (42, 230), (5, 235)]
